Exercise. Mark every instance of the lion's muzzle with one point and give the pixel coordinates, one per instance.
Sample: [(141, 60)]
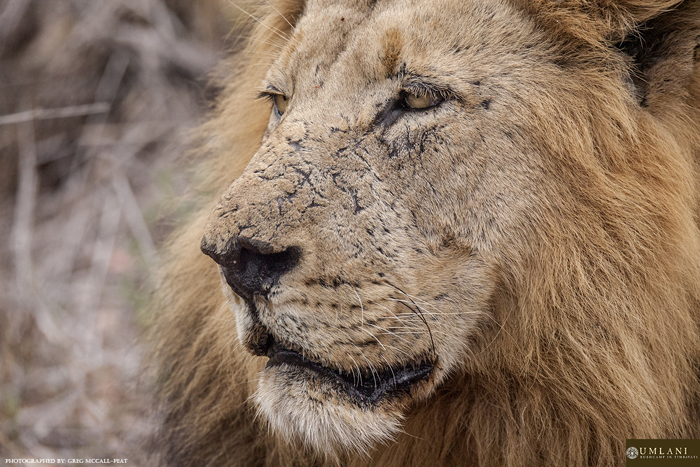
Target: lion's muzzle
[(251, 268)]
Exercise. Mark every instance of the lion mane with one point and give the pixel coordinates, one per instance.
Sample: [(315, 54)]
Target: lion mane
[(439, 232)]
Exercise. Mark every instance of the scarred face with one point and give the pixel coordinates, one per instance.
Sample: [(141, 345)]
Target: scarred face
[(361, 248)]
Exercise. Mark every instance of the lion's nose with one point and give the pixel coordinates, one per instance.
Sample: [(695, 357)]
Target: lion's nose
[(251, 267)]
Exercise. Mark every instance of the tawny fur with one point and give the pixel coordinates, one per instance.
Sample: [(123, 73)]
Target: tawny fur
[(546, 226)]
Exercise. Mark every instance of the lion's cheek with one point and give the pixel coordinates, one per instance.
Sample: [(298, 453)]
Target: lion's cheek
[(308, 410)]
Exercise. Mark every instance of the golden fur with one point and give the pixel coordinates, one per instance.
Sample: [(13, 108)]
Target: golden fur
[(531, 238)]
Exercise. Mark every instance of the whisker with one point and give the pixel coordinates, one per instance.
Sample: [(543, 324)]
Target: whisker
[(325, 313), (272, 29), (391, 333), (398, 333), (393, 313), (393, 347), (424, 303), (269, 56), (442, 313), (362, 308), (393, 376), (269, 41), (359, 372), (374, 372), (374, 337), (419, 312), (278, 12)]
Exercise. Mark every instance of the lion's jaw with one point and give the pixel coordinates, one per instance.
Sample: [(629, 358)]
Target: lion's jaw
[(301, 407), (350, 397), (394, 266)]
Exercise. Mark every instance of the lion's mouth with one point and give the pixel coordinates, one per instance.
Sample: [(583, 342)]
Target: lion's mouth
[(365, 388)]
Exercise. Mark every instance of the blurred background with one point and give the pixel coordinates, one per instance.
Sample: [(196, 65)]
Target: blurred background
[(98, 100)]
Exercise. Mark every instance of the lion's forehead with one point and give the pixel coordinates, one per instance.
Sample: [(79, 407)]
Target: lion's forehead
[(365, 42)]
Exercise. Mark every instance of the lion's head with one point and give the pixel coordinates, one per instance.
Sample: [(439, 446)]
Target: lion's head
[(488, 202)]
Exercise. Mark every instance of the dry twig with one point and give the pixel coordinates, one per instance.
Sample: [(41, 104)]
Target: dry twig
[(25, 205), (64, 112)]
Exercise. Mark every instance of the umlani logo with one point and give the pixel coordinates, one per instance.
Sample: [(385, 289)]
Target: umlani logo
[(663, 452)]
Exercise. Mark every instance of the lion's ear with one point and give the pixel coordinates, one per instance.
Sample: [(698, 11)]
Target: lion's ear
[(600, 20)]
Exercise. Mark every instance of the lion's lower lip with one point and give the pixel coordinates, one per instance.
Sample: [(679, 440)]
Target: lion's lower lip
[(366, 389)]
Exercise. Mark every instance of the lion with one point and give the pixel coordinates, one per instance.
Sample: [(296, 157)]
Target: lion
[(440, 232)]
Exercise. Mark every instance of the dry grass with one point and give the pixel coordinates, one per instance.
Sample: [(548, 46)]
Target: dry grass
[(96, 100)]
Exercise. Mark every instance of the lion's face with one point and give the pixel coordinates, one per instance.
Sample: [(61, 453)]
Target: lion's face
[(365, 242)]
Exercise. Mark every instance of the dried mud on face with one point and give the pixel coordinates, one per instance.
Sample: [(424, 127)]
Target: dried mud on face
[(97, 102)]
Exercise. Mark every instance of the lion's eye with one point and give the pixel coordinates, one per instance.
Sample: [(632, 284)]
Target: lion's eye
[(280, 102), (413, 101)]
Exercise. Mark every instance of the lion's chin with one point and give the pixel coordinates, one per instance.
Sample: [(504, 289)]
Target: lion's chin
[(310, 409), (330, 411)]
